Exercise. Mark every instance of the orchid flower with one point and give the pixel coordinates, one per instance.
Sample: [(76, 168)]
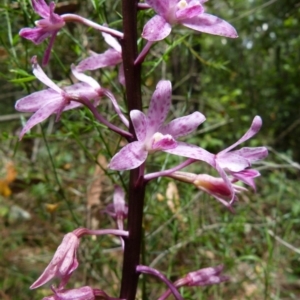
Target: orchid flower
[(151, 134), (202, 277), (189, 13), (110, 57), (63, 263), (47, 27), (236, 163), (55, 100)]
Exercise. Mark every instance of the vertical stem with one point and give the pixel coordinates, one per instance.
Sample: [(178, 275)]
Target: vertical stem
[(136, 191), (133, 242)]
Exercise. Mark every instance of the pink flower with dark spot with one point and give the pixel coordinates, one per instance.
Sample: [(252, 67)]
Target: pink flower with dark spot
[(237, 163), (189, 13), (55, 100), (151, 134), (47, 27)]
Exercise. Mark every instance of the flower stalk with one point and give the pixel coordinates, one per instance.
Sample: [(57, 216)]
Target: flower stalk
[(136, 191)]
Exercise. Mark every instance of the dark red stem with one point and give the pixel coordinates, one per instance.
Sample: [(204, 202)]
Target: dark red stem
[(136, 190)]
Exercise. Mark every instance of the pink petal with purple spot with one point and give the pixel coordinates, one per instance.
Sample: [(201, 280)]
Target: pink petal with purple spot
[(232, 161), (139, 121), (156, 29), (210, 24), (184, 125), (192, 151), (129, 157), (159, 106), (167, 142)]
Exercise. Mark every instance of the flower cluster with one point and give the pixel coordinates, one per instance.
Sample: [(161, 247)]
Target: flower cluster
[(146, 133)]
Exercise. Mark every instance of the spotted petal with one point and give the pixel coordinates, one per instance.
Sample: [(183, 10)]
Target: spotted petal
[(192, 151), (210, 24), (139, 121), (156, 29), (129, 157), (164, 143), (184, 125), (232, 161), (159, 106)]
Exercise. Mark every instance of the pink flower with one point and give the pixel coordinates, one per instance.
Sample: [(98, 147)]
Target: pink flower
[(48, 26), (63, 263), (189, 13), (151, 134), (55, 100), (237, 163)]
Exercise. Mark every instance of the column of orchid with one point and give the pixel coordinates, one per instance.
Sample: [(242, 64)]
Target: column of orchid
[(145, 132)]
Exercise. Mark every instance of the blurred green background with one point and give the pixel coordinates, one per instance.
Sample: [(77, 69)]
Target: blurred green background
[(55, 179)]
